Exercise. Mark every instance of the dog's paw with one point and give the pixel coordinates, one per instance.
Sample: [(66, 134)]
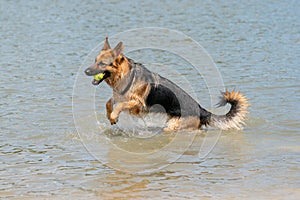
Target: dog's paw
[(112, 122), (113, 118)]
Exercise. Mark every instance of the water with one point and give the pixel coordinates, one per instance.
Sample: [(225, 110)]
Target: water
[(255, 46)]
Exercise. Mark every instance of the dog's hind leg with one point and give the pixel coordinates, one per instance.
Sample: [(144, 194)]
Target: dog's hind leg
[(177, 123), (173, 124)]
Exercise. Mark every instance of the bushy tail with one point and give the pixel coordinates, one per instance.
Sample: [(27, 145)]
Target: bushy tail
[(235, 118)]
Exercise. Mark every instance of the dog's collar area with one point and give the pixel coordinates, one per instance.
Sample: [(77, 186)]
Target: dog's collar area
[(125, 84)]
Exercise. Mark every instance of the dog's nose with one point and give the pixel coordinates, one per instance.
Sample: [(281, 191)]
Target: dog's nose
[(87, 71)]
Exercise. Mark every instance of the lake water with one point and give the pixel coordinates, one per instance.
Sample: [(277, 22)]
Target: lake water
[(256, 48)]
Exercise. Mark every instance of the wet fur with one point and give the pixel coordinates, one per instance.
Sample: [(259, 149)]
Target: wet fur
[(136, 90)]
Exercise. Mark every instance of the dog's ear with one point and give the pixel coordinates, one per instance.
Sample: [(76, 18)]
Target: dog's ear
[(106, 44), (118, 49)]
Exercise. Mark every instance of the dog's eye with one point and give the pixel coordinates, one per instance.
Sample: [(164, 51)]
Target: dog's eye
[(101, 64)]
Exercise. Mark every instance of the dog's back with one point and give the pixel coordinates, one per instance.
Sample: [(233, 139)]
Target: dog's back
[(175, 101)]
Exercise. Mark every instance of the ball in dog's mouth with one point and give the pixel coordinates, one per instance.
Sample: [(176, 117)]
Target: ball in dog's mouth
[(98, 78)]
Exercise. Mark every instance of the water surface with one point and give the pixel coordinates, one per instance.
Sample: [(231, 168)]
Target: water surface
[(255, 46)]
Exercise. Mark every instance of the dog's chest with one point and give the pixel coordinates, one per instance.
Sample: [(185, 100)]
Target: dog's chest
[(120, 97)]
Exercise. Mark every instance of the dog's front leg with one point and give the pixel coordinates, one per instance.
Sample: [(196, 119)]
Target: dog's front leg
[(109, 109), (120, 107)]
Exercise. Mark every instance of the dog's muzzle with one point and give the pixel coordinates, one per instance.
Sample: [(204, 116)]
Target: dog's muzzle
[(92, 72)]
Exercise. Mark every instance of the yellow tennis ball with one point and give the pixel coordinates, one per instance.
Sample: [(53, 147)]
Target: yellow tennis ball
[(99, 76)]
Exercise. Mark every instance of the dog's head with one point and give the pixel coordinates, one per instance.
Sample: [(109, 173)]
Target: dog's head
[(110, 63)]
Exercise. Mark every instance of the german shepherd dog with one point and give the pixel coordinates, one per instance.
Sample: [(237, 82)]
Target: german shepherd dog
[(136, 90)]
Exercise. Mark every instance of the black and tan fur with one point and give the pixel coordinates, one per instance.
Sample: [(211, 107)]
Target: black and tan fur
[(136, 90)]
